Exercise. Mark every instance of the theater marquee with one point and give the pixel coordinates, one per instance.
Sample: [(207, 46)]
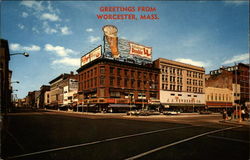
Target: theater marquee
[(92, 55), (140, 50)]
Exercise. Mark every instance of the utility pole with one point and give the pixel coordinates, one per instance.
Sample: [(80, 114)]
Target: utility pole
[(236, 95)]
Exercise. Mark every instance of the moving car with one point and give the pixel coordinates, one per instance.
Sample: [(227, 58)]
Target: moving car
[(171, 112), (205, 112)]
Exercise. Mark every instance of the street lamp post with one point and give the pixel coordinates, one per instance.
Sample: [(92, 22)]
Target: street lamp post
[(15, 82), (24, 53)]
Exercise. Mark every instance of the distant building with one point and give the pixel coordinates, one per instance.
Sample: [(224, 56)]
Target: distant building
[(181, 85), (56, 94), (235, 78), (43, 89), (219, 98), (70, 97), (32, 99), (47, 99)]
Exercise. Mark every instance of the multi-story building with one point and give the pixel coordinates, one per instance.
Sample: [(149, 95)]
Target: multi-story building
[(70, 97), (56, 88), (218, 98), (5, 92), (47, 99), (181, 85), (114, 84), (43, 89), (32, 99), (236, 78), (118, 76)]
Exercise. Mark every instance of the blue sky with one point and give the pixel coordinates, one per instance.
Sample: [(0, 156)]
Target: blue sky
[(58, 33)]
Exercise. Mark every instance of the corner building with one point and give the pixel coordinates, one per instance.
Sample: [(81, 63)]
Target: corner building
[(181, 85), (117, 76), (112, 85)]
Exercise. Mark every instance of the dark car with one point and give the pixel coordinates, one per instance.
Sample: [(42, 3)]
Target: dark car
[(205, 112)]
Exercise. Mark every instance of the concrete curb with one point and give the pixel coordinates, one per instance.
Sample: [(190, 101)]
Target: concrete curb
[(236, 122)]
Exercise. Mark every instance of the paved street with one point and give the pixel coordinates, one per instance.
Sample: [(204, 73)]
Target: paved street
[(58, 135)]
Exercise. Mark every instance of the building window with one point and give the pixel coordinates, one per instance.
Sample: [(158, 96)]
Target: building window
[(118, 81), (111, 70), (145, 84), (172, 94), (126, 72), (111, 82), (145, 75), (132, 83), (118, 72), (132, 73), (139, 75), (102, 80), (126, 83), (102, 70), (138, 84)]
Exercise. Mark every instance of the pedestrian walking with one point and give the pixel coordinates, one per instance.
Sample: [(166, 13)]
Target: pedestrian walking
[(243, 114), (224, 114), (229, 113), (246, 113)]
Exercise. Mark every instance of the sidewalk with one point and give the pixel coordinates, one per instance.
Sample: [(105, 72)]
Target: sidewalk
[(234, 121)]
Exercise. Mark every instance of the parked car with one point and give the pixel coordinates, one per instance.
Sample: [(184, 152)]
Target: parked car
[(143, 112), (171, 112), (205, 112), (133, 113)]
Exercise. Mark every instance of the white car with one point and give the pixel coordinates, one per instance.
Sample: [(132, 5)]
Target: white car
[(171, 112)]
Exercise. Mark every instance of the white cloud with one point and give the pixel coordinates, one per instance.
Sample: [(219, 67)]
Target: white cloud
[(36, 5), (48, 29), (59, 50), (236, 2), (51, 17), (93, 39), (24, 14), (89, 30), (35, 30), (67, 61), (65, 30), (192, 62), (51, 9), (21, 26), (238, 58), (18, 47)]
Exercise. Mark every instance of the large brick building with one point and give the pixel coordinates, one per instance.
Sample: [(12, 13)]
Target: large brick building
[(181, 85), (111, 84), (118, 75)]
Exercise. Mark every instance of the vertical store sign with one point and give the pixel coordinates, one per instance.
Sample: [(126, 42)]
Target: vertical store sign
[(92, 55), (73, 85)]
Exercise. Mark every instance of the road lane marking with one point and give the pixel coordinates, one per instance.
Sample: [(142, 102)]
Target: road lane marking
[(178, 142), (13, 137), (100, 141), (230, 139)]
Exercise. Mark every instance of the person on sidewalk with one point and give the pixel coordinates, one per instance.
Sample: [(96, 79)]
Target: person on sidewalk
[(229, 113), (243, 114), (224, 114)]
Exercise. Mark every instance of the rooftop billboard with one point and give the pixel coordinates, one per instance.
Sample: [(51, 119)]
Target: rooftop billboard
[(92, 55), (129, 51)]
